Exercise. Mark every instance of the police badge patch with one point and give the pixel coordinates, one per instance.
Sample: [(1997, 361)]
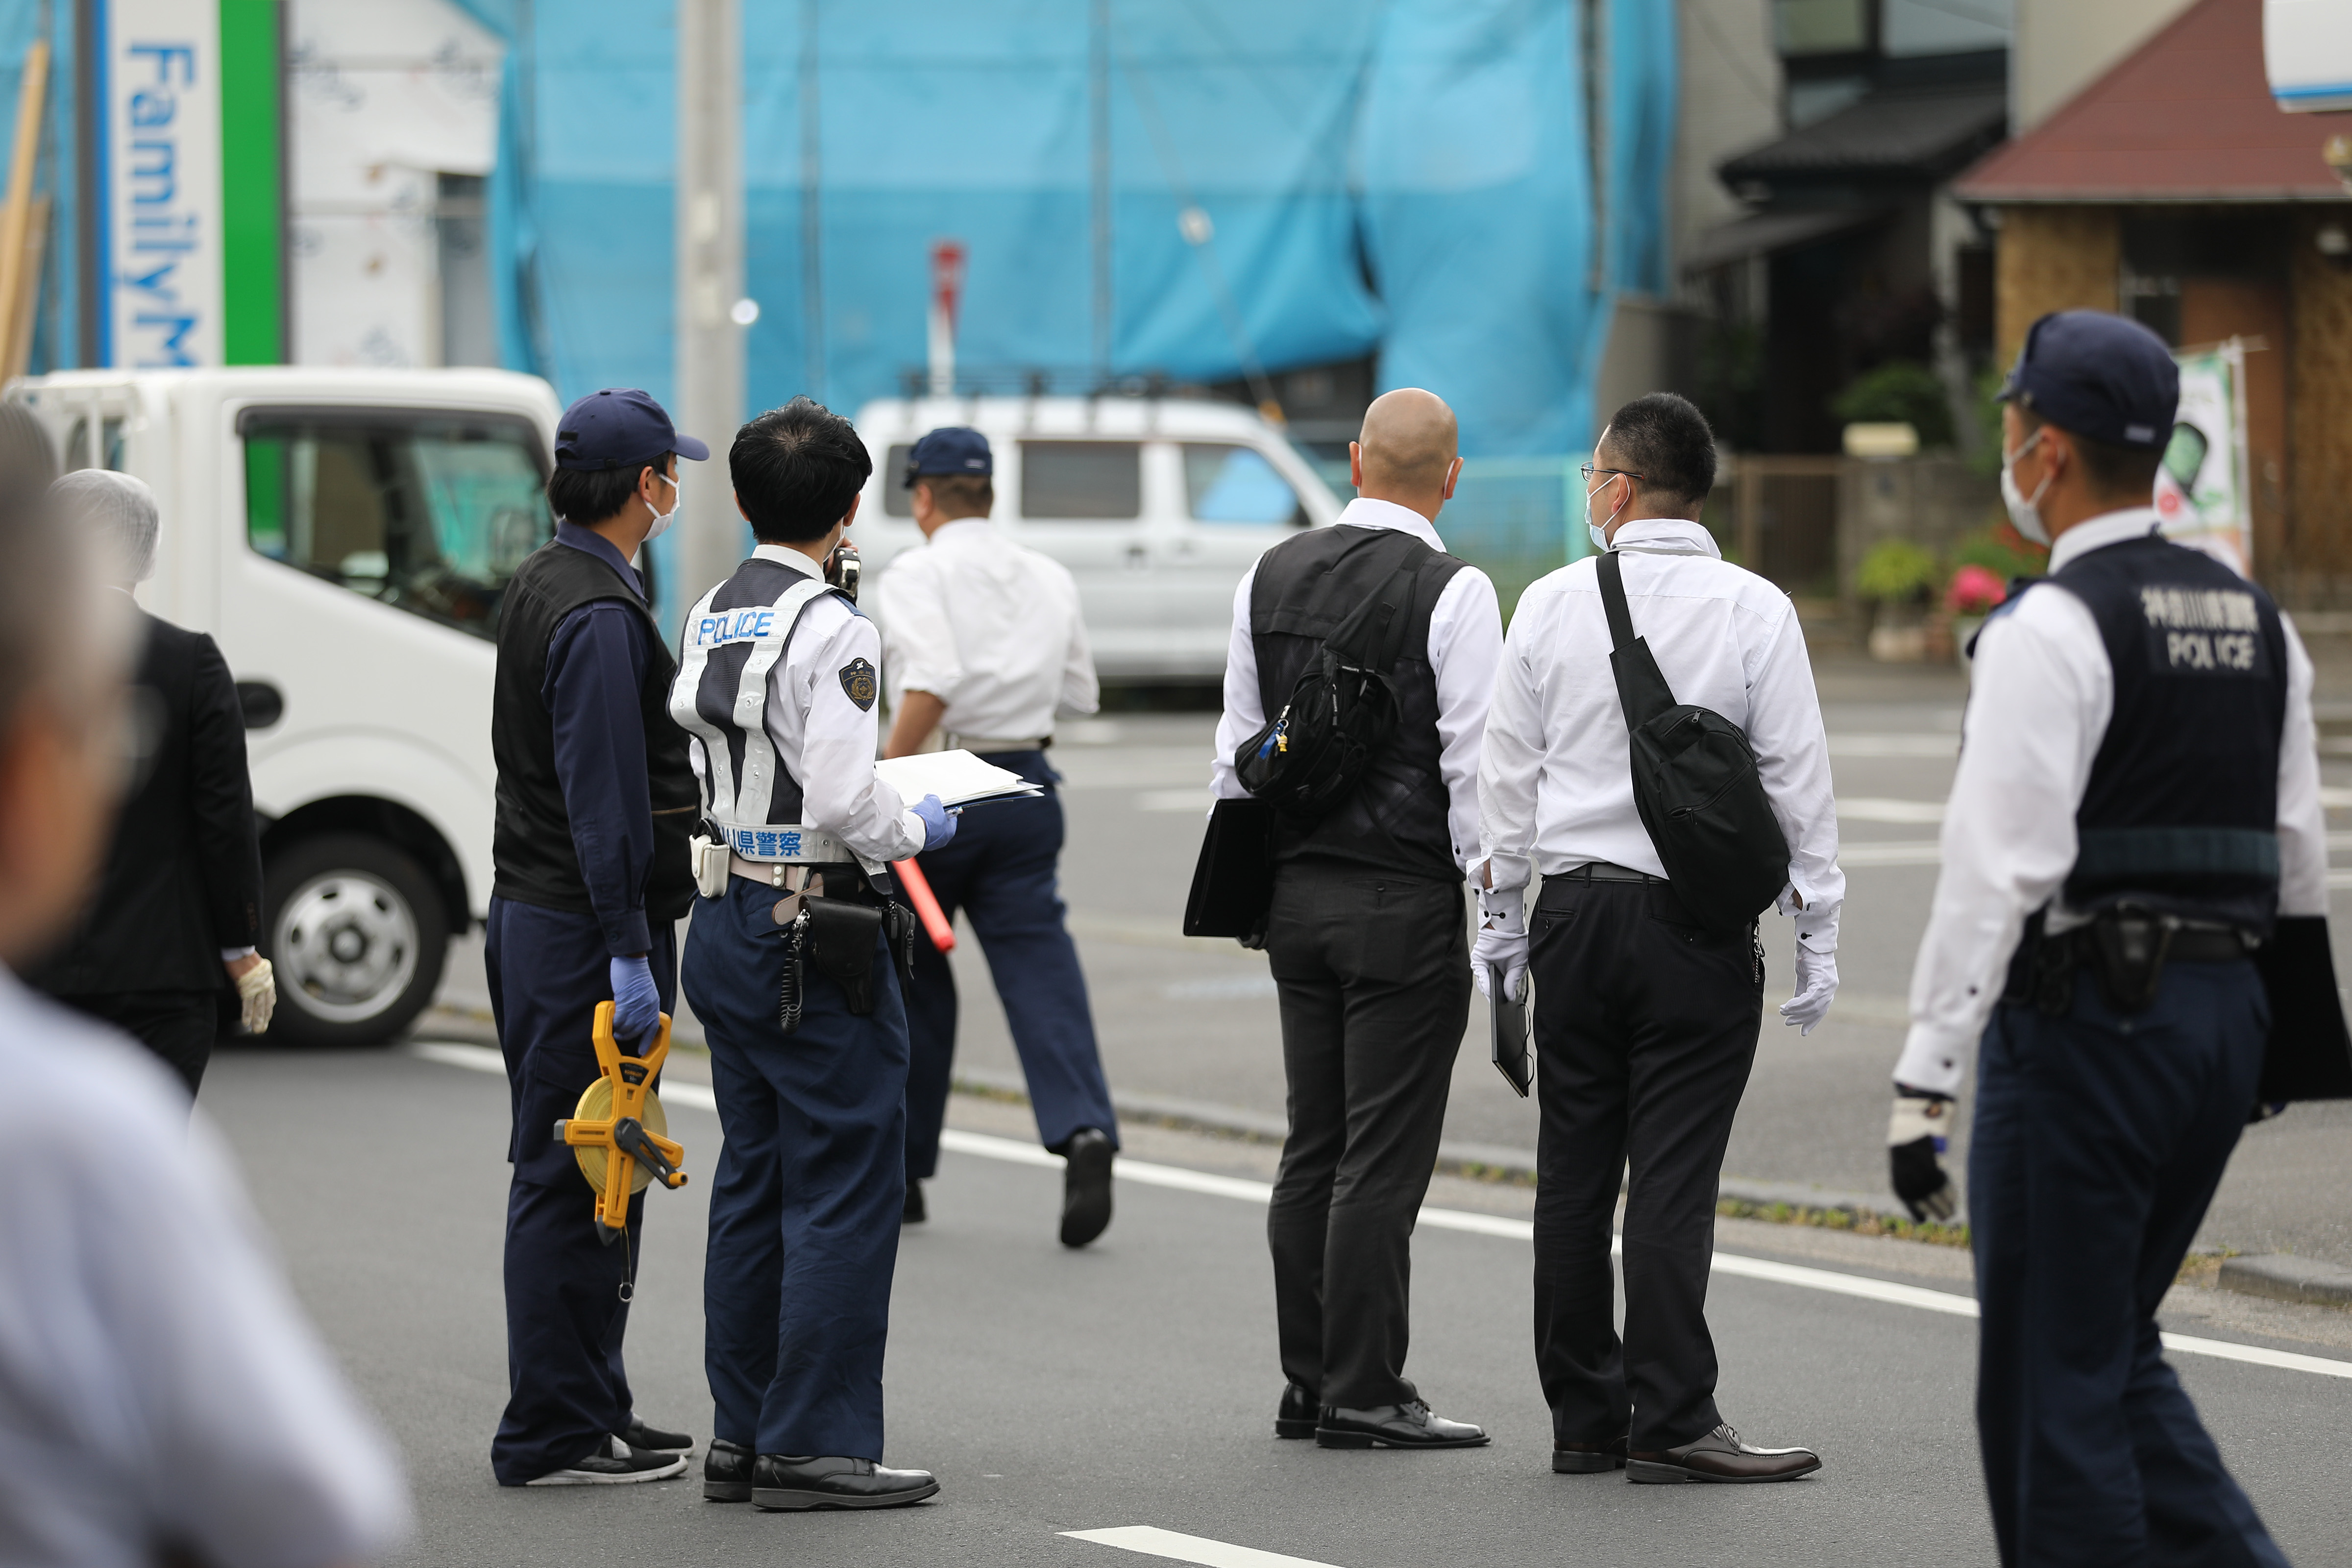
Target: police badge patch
[(857, 680)]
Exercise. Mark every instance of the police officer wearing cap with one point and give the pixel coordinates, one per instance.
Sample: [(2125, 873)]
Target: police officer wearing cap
[(983, 640), (595, 804), (2137, 801), (794, 967)]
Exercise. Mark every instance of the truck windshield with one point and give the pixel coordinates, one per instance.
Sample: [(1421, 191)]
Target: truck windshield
[(428, 513)]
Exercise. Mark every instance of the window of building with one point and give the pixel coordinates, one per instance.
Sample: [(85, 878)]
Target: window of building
[(1229, 483), (898, 496), (431, 514), (1096, 480), (1822, 27)]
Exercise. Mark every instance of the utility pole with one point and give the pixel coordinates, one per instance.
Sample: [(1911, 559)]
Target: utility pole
[(712, 312)]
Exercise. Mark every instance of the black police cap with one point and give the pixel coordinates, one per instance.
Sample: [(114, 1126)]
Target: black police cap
[(2099, 375), (618, 429), (950, 449)]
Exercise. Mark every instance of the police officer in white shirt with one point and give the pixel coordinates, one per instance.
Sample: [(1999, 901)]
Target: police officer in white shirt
[(792, 965), (982, 642), (1644, 1025), (2136, 806)]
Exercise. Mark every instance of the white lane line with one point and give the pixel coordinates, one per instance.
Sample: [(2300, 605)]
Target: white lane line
[(1876, 808), (1143, 1172), (1153, 1541), (1904, 852)]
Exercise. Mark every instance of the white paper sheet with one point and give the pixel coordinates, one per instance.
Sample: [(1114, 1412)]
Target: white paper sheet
[(957, 778)]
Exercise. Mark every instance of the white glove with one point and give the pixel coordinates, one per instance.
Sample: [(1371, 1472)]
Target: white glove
[(257, 990), (1502, 941), (1816, 987)]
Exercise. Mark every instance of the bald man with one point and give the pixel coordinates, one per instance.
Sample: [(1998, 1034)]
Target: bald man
[(1366, 933)]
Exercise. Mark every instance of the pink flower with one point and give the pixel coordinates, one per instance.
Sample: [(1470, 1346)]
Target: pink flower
[(1974, 590)]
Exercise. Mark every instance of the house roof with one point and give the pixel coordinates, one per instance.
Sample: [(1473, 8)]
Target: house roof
[(2187, 117), (1760, 234), (1920, 132)]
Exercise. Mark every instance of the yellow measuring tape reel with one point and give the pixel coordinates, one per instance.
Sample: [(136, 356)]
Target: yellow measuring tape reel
[(619, 1133)]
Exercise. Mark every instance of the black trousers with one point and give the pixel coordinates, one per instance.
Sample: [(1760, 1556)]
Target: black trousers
[(1644, 1029), (177, 1025), (1374, 977)]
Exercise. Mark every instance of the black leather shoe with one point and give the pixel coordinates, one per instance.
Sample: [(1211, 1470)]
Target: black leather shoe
[(653, 1439), (1588, 1458), (786, 1482), (1295, 1416), (1407, 1425), (1720, 1455), (914, 1213), (1085, 1188), (727, 1472)]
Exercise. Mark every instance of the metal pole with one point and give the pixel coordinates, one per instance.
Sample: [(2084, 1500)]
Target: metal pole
[(710, 282), (1098, 139)]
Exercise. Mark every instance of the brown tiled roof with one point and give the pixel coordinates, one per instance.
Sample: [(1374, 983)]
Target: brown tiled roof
[(2186, 117)]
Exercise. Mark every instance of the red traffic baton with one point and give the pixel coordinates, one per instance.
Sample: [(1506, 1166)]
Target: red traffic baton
[(927, 907)]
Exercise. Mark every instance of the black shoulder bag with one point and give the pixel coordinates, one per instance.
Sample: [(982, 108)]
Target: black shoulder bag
[(1694, 784)]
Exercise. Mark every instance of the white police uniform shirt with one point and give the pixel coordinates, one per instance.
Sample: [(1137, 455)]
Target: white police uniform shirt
[(990, 628), (1556, 790), (2039, 701), (820, 733), (1466, 641), (158, 1383)]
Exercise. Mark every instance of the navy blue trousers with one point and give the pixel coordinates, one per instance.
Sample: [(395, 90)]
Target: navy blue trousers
[(1002, 870), (2099, 1139), (805, 1207), (567, 1291)]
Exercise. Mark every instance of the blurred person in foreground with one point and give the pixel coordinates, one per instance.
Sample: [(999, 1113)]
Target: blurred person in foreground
[(1645, 1023), (1366, 935), (179, 904), (162, 1397), (2136, 810)]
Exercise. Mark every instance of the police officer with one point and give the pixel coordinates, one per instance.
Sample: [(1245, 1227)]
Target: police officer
[(595, 804), (2137, 802), (983, 639), (790, 965)]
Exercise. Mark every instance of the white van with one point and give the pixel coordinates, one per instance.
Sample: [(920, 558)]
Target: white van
[(1157, 506), (345, 537)]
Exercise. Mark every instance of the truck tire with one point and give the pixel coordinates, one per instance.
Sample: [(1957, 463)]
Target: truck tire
[(357, 935)]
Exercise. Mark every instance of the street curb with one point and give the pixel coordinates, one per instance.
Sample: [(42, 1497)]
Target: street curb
[(2285, 1277)]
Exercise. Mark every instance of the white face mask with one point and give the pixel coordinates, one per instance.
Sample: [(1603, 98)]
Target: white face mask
[(2024, 511), (662, 520), (1598, 533)]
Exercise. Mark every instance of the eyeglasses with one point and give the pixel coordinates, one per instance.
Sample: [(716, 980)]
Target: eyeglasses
[(1588, 470)]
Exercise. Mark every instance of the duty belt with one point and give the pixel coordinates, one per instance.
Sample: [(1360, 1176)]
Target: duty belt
[(2127, 948), (786, 845), (981, 746)]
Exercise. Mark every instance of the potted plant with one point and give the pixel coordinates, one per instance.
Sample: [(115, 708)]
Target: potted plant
[(1969, 598), (1897, 579)]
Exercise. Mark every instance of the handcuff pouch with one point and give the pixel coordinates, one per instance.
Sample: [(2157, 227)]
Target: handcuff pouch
[(841, 941)]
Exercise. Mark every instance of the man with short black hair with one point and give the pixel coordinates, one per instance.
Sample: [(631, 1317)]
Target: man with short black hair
[(1645, 1023), (595, 802), (790, 965)]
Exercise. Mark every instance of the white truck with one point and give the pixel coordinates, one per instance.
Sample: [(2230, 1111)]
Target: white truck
[(344, 535)]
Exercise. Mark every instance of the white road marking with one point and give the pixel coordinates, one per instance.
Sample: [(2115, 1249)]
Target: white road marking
[(1896, 745), (1195, 800), (1878, 808), (1905, 852), (1144, 1172), (1156, 1542)]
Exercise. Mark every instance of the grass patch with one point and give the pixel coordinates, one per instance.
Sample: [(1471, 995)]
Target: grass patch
[(1847, 1220)]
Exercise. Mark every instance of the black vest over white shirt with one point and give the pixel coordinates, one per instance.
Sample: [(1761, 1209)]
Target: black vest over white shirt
[(2181, 812), (1395, 821)]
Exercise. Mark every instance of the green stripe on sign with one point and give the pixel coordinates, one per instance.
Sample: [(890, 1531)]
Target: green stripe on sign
[(253, 208)]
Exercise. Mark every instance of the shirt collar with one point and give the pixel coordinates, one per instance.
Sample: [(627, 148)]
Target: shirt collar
[(1665, 536), (785, 556), (594, 543), (958, 527), (1366, 512), (2098, 532)]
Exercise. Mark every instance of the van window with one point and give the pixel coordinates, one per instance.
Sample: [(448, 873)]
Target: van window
[(898, 499), (429, 513), (1092, 479), (1229, 483)]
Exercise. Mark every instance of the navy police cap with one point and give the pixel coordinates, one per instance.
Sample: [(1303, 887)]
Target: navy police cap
[(2098, 375), (950, 449), (617, 428)]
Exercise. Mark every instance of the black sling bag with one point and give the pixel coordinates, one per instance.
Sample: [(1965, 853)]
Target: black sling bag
[(1694, 784)]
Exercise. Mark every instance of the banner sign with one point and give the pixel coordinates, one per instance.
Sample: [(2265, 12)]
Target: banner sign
[(2201, 493), (160, 160)]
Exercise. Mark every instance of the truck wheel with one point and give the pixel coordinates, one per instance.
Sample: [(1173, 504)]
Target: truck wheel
[(358, 937)]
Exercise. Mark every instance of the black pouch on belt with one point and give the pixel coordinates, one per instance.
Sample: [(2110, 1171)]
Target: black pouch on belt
[(2131, 946), (841, 941), (900, 927)]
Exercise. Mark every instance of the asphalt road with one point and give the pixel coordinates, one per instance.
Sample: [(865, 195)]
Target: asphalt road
[(1131, 1386)]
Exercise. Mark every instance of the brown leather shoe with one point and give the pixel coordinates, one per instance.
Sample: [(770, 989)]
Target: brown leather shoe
[(1588, 1458), (1720, 1455)]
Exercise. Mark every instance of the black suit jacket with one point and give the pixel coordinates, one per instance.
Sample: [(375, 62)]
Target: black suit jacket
[(183, 874)]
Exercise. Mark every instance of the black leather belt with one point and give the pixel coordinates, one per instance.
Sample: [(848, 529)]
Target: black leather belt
[(2126, 949), (1608, 871)]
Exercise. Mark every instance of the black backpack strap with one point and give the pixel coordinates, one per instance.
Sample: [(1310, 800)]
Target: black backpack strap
[(1642, 688), (1611, 571)]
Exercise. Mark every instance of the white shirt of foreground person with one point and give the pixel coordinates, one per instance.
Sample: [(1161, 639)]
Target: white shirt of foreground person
[(990, 628), (2039, 702), (158, 1384), (1557, 786), (1465, 641), (824, 739)]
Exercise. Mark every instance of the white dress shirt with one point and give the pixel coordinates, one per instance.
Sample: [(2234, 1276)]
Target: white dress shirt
[(826, 741), (1557, 787), (158, 1382), (2038, 708), (990, 628), (1466, 639)]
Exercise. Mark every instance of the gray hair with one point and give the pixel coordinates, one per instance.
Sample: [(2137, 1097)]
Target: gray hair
[(119, 512), (50, 611)]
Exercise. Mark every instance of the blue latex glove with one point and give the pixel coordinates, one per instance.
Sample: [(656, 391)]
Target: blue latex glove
[(938, 822), (636, 1004)]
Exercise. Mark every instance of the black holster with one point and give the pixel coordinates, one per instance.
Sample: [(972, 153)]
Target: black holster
[(2127, 946), (899, 929), (841, 943)]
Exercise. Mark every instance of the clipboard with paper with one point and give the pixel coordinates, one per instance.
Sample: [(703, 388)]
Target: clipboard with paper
[(957, 778)]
